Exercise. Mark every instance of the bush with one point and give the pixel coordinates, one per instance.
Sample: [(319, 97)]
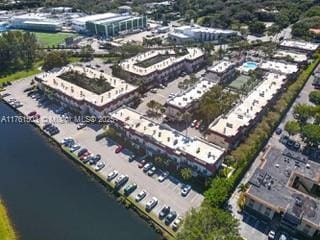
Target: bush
[(314, 97)]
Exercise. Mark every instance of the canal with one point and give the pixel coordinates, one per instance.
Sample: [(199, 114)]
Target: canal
[(49, 197)]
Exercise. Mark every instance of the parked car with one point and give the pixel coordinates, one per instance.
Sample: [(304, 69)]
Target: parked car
[(152, 171), (151, 204), (284, 139), (153, 90), (30, 114), (141, 195), (147, 167), (82, 151), (278, 131), (130, 188), (75, 147), (170, 217), (132, 158), (194, 122), (142, 163), (163, 176), (94, 159), (185, 190), (271, 235), (99, 166), (112, 175), (46, 126), (164, 212), (81, 125), (283, 236), (176, 224), (119, 149), (120, 181), (198, 124), (35, 117)]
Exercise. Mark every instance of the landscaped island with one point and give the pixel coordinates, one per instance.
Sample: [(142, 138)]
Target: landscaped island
[(6, 228)]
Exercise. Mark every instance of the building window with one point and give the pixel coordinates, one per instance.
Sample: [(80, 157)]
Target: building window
[(306, 229), (251, 203), (267, 212)]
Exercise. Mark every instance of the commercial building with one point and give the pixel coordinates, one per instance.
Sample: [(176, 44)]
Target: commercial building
[(223, 71), (195, 33), (159, 139), (158, 66), (109, 24), (36, 22), (228, 130), (286, 187), (299, 46), (66, 86), (291, 56), (187, 101)]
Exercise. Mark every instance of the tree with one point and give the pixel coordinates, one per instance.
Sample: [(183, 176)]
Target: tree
[(314, 97), (86, 53), (257, 28), (303, 112), (292, 127), (311, 134), (209, 224), (55, 59), (186, 173), (152, 104)]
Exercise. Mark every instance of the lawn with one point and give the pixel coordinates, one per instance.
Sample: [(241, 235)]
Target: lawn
[(50, 39), (6, 229), (22, 74)]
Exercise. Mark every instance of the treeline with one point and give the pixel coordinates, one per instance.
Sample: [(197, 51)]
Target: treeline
[(17, 51)]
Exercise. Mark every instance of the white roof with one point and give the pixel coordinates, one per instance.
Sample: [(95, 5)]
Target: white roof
[(167, 137), (96, 17), (308, 46), (221, 66), (129, 65), (192, 94), (249, 107), (78, 93), (297, 57), (197, 28), (280, 67)]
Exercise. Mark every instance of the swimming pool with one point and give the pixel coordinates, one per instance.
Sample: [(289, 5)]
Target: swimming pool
[(250, 65)]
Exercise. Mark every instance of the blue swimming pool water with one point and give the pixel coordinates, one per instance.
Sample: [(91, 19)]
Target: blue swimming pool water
[(250, 65)]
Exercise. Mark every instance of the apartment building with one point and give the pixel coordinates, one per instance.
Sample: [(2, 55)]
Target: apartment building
[(83, 99), (301, 46), (286, 187), (223, 71), (159, 66), (187, 100), (228, 130), (159, 139)]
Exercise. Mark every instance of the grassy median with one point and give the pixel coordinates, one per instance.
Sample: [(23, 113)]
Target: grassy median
[(6, 229)]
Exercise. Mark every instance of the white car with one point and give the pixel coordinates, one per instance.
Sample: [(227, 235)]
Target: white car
[(112, 175), (193, 124), (75, 147), (153, 90), (176, 224), (163, 176), (185, 190), (141, 195), (272, 235), (151, 204), (99, 166)]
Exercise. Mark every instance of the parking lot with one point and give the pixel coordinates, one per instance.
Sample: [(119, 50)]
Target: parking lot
[(167, 192)]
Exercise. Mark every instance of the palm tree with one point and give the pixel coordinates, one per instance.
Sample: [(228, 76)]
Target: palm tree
[(186, 117)]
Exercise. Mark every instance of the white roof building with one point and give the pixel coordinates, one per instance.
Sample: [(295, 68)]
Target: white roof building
[(242, 115), (191, 95), (306, 46), (221, 67), (198, 149), (54, 81), (131, 64), (296, 57), (279, 67)]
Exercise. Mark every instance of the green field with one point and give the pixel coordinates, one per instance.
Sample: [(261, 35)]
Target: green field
[(6, 229), (50, 39)]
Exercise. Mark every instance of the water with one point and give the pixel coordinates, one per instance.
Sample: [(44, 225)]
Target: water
[(49, 197), (250, 65)]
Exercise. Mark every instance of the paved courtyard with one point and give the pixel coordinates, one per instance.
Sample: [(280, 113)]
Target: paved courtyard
[(168, 192)]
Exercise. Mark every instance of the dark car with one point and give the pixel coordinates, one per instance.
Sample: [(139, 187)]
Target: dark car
[(30, 114), (284, 139), (164, 212), (170, 217), (93, 160), (82, 151), (46, 126), (278, 131)]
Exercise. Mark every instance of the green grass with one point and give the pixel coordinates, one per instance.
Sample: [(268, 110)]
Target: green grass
[(50, 39), (22, 74), (6, 228)]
